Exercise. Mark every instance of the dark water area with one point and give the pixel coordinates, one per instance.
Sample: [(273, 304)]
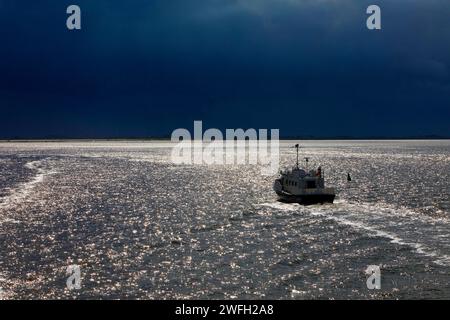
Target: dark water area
[(141, 227)]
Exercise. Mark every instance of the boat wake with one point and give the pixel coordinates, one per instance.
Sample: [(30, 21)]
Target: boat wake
[(24, 190), (425, 235)]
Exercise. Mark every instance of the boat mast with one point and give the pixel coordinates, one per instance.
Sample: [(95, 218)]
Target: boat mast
[(296, 146)]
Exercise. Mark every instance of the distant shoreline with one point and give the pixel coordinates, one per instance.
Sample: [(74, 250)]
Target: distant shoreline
[(282, 138)]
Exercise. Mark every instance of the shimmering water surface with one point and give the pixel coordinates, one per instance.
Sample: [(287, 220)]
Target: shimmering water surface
[(142, 227)]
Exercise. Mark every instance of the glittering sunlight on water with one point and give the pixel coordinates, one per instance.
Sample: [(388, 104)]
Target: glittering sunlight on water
[(141, 227)]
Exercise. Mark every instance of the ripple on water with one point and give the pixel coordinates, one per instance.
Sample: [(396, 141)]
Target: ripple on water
[(140, 227)]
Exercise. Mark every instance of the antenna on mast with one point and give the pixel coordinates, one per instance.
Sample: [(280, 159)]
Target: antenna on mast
[(297, 146)]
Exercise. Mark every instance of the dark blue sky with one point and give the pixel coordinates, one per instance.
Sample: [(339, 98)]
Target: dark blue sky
[(145, 68)]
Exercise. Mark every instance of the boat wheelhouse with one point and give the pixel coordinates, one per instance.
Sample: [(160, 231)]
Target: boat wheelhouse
[(298, 185)]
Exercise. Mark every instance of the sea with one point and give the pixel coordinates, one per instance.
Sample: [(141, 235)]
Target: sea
[(138, 226)]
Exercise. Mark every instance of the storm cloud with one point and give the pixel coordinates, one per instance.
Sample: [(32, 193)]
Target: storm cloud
[(145, 68)]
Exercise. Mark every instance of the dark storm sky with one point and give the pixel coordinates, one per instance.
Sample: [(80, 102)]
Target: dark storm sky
[(145, 68)]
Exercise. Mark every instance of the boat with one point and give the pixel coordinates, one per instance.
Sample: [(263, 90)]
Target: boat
[(297, 185)]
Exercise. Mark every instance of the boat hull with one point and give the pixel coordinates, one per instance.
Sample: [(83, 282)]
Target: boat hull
[(307, 199)]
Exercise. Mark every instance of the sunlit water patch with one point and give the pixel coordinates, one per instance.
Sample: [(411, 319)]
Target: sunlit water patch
[(140, 227)]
